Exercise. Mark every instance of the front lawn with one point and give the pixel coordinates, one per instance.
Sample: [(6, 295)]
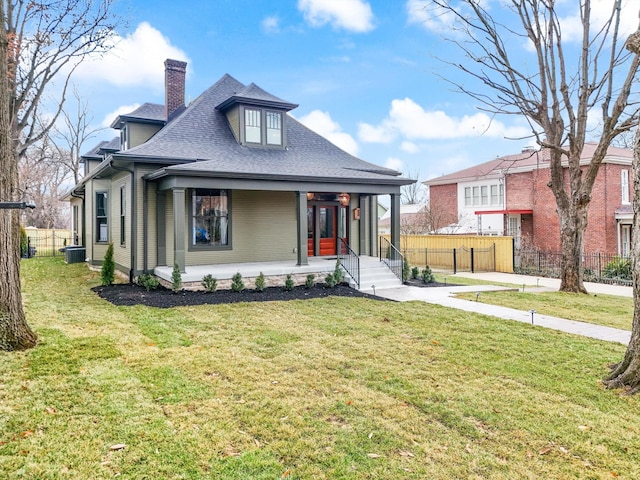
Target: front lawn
[(327, 388), (607, 310)]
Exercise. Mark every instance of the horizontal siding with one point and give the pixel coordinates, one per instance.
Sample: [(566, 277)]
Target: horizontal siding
[(121, 253), (140, 133), (263, 229)]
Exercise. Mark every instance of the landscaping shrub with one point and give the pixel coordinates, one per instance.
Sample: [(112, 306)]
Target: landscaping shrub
[(260, 282), (338, 273), (618, 268), (309, 281), (210, 283), (406, 270), (237, 285), (148, 281), (427, 275), (176, 278), (108, 269), (24, 242), (330, 280), (415, 272), (289, 283)]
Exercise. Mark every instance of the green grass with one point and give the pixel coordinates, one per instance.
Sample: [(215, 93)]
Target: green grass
[(608, 310), (320, 389)]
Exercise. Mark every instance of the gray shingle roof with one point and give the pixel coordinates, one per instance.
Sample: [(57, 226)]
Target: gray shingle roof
[(201, 134), (147, 112)]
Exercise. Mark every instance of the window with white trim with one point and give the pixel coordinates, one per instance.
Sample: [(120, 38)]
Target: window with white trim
[(122, 215), (624, 186)]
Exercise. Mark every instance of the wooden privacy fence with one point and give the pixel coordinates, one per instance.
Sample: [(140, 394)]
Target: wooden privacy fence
[(458, 252)]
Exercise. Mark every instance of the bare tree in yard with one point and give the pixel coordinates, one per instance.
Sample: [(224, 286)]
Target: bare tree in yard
[(414, 193), (70, 138), (626, 374), (43, 172), (556, 86), (39, 42)]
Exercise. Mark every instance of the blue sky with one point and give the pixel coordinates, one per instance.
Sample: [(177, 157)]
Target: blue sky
[(364, 73)]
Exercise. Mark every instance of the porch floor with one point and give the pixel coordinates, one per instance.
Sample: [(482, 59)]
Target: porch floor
[(316, 265)]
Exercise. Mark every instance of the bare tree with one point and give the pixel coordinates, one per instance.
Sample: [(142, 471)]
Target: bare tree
[(413, 194), (39, 42), (556, 88), (70, 138), (43, 173)]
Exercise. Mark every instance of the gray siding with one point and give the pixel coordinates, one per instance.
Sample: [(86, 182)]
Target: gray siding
[(139, 133)]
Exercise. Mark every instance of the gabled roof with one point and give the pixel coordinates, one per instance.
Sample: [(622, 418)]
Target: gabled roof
[(527, 160), (101, 149), (145, 113), (201, 139)]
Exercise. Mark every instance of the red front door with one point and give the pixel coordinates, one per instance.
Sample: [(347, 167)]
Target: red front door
[(322, 224)]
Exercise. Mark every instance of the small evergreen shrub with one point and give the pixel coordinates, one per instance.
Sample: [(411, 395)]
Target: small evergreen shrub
[(260, 282), (338, 273), (289, 283), (210, 283), (24, 242), (415, 272), (108, 269), (330, 280), (148, 281), (406, 270), (237, 285), (176, 278), (427, 275), (310, 281)]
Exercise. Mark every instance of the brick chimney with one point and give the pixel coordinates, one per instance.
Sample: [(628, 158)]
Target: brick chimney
[(174, 75)]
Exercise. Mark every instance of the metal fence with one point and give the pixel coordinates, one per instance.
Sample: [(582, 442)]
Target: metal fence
[(51, 245), (598, 267), (454, 259)]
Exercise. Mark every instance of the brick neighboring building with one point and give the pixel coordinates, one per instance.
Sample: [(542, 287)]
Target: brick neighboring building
[(510, 196)]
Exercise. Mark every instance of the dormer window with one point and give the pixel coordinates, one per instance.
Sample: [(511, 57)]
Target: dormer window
[(262, 127)]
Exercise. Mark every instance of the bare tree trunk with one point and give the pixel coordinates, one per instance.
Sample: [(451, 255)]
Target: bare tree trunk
[(572, 227), (626, 374), (15, 334)]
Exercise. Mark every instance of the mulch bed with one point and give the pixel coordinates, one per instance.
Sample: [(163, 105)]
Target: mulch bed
[(130, 294)]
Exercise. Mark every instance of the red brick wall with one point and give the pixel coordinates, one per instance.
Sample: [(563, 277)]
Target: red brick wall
[(443, 201), (519, 191), (601, 233)]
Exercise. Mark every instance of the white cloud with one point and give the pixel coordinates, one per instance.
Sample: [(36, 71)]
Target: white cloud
[(394, 163), (321, 123), (430, 16), (371, 134), (410, 121), (271, 24), (352, 15), (136, 60), (409, 147), (111, 116)]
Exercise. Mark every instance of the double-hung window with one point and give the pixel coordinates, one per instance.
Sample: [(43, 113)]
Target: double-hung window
[(122, 215), (102, 230), (624, 186), (210, 218)]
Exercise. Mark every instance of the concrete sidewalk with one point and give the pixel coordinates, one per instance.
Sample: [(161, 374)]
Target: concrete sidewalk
[(444, 296)]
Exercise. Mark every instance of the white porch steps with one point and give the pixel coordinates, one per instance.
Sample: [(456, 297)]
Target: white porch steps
[(375, 273)]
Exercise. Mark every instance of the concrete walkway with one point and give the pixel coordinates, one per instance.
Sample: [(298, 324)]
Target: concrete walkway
[(444, 296)]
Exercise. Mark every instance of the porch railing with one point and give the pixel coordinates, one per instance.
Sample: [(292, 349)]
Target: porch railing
[(350, 261), (392, 257)]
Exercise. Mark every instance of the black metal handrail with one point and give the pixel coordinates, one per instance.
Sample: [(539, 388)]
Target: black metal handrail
[(392, 257), (350, 261)]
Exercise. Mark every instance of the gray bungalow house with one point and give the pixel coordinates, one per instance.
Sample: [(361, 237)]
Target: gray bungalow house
[(230, 179)]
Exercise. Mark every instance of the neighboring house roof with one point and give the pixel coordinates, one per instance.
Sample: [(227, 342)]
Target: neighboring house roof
[(145, 113), (526, 160)]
